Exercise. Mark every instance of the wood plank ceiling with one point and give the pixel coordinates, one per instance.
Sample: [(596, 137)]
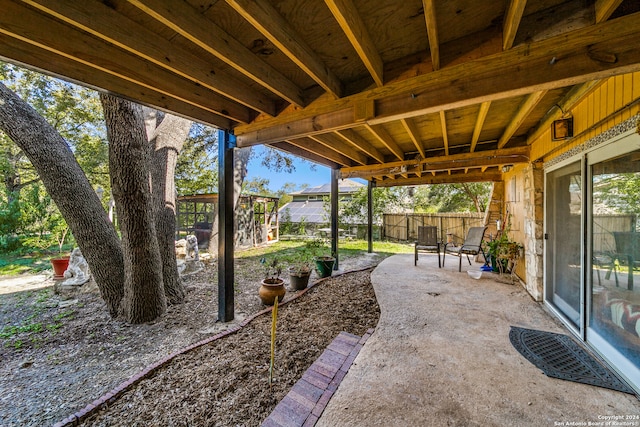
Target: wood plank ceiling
[(402, 92)]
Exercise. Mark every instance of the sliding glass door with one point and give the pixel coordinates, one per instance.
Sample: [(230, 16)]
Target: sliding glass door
[(614, 211), (564, 205)]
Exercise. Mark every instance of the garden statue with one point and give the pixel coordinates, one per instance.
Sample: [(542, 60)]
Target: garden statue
[(188, 263), (78, 271), (192, 248)]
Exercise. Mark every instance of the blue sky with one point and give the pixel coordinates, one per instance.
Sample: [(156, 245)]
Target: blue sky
[(304, 173)]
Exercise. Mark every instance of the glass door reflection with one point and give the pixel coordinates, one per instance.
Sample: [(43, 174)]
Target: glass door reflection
[(615, 291)]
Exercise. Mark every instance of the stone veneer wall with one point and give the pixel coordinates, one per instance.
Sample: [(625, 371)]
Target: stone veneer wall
[(494, 210), (533, 199)]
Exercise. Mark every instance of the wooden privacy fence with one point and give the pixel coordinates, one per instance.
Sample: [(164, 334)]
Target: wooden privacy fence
[(405, 226), (605, 225)]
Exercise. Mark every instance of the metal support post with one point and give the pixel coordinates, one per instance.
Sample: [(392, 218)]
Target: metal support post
[(334, 216), (226, 144), (370, 186)]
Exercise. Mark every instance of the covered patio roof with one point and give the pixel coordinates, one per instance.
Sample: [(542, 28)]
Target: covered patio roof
[(400, 92)]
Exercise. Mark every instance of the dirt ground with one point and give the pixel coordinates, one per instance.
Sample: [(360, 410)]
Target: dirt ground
[(65, 356)]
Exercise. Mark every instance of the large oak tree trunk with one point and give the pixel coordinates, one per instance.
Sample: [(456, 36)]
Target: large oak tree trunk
[(166, 139), (69, 188), (144, 298), (240, 161)]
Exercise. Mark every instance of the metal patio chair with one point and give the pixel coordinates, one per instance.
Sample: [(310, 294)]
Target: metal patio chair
[(427, 242), (628, 252), (472, 246)]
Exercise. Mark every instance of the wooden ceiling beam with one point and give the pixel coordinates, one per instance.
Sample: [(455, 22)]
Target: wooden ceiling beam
[(530, 68), (482, 115), (316, 148), (138, 40), (520, 115), (186, 21), (359, 142), (390, 172), (478, 159), (100, 55), (346, 13), (605, 8), (314, 125), (383, 136), (445, 137), (442, 179), (512, 22), (266, 19), (339, 145), (30, 56), (414, 133), (432, 32), (297, 151)]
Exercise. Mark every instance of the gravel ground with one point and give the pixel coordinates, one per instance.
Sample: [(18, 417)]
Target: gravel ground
[(55, 359)]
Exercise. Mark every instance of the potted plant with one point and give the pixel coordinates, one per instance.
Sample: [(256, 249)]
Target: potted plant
[(493, 252), (61, 262), (324, 263), (300, 270), (272, 286), (502, 251)]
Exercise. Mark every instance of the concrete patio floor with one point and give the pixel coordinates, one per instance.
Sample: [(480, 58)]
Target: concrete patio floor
[(441, 356)]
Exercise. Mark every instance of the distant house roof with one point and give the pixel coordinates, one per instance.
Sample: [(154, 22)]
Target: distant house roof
[(312, 211), (344, 186)]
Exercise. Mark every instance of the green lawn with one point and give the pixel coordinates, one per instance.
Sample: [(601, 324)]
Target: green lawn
[(29, 260), (11, 265), (290, 249)]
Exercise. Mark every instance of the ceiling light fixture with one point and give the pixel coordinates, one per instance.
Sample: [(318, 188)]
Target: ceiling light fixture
[(562, 129)]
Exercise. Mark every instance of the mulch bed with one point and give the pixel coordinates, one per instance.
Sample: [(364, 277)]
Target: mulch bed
[(225, 382)]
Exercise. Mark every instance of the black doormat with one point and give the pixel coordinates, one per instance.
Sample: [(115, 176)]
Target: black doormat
[(559, 356)]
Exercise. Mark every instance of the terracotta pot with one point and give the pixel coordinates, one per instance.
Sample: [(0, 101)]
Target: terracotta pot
[(270, 289), (299, 280), (59, 265)]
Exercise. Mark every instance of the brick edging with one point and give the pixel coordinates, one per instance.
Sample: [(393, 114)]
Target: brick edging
[(116, 392), (309, 396)]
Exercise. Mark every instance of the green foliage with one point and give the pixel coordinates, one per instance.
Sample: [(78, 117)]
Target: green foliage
[(302, 225), (300, 262), (197, 166), (272, 268), (385, 200), (620, 192), (36, 322), (503, 248), (472, 197), (287, 188), (11, 330), (13, 265), (47, 226), (28, 216), (285, 224), (276, 160), (466, 197), (10, 219), (315, 247), (257, 185)]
